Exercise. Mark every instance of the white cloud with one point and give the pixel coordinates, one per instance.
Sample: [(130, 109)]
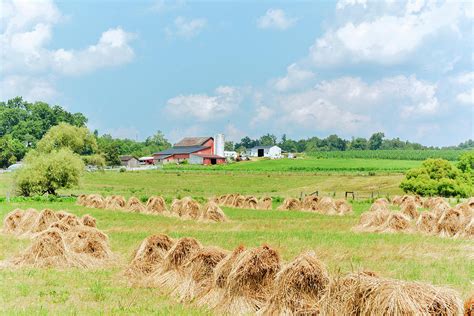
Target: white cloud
[(262, 113), (462, 81), (30, 88), (112, 49), (296, 77), (341, 4), (466, 97), (275, 19), (165, 6), (203, 107), (232, 133), (386, 39), (29, 67), (186, 28)]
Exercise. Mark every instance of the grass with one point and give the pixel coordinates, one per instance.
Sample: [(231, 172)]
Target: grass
[(205, 184), (410, 257), (310, 164), (405, 154)]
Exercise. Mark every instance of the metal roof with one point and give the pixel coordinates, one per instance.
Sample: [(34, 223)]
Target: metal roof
[(192, 141), (209, 156), (264, 147), (127, 157), (180, 150)]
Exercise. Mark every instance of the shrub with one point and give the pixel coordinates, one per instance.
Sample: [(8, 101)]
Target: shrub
[(46, 173), (122, 169), (437, 177)]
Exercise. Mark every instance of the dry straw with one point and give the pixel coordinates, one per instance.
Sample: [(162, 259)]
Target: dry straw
[(114, 202), (250, 280), (156, 205), (290, 204), (134, 205), (298, 287), (211, 212)]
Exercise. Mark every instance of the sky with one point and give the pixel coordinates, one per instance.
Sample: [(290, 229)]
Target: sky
[(197, 68)]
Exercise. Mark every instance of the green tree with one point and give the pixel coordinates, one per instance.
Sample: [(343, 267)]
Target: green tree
[(229, 146), (268, 140), (78, 139), (376, 140), (11, 150), (466, 162), (48, 172), (158, 141), (437, 177), (359, 144)]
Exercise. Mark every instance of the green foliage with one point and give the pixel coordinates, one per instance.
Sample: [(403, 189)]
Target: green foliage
[(94, 160), (11, 150), (466, 162), (402, 154), (437, 177), (229, 146), (46, 173), (376, 140), (28, 122), (78, 139)]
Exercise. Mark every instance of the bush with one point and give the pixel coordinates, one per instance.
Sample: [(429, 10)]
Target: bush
[(437, 177), (46, 173), (122, 169)]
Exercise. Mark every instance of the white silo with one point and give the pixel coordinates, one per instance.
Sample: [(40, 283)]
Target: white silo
[(219, 143)]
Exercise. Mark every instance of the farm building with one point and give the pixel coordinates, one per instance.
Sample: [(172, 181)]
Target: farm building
[(129, 161), (230, 154), (273, 152), (200, 159), (146, 160), (188, 146)]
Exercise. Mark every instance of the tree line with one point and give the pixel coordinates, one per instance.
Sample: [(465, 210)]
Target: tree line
[(24, 124)]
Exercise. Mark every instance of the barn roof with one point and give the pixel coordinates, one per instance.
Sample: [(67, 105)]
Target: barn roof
[(127, 157), (180, 150), (209, 156), (264, 147), (192, 141)]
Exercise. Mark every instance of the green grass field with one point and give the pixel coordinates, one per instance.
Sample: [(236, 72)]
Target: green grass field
[(104, 291), (72, 291)]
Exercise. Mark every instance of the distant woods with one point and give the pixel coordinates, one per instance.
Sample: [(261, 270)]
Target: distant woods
[(24, 124)]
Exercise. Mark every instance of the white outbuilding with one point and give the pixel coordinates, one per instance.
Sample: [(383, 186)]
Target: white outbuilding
[(273, 152)]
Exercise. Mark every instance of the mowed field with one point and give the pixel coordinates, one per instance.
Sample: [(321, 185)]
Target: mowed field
[(73, 291)]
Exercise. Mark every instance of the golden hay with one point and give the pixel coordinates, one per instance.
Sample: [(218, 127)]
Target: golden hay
[(250, 281), (382, 201), (343, 207), (431, 202), (250, 202), (469, 229), (327, 206), (369, 220), (27, 221), (189, 208), (290, 204), (148, 256), (362, 294), (265, 203), (469, 306), (62, 214), (198, 273), (114, 202), (397, 200), (11, 223), (94, 201), (176, 207), (156, 205), (134, 205), (81, 199), (215, 292), (298, 287), (213, 213), (171, 271), (410, 210), (89, 241), (229, 199), (427, 222), (239, 201), (396, 222), (45, 218), (310, 202), (88, 220), (450, 223), (379, 206)]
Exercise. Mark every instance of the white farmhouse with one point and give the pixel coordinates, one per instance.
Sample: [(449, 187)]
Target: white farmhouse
[(273, 152)]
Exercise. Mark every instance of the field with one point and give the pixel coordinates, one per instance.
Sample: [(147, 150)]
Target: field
[(104, 291), (448, 154)]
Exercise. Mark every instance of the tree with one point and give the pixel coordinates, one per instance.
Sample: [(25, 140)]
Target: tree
[(334, 142), (437, 177), (158, 140), (268, 140), (11, 150), (48, 172), (229, 146), (359, 144), (78, 139), (466, 162), (376, 140)]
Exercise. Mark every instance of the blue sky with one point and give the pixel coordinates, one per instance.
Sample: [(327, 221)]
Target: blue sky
[(351, 67)]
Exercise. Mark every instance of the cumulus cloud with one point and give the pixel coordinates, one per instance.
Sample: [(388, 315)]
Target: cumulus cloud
[(296, 77), (388, 38), (187, 28), (161, 6), (341, 4), (465, 81), (262, 113), (203, 107), (31, 88), (27, 30), (112, 49), (275, 19)]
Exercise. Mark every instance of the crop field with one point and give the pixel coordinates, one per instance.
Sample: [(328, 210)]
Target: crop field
[(310, 164), (414, 257), (448, 154)]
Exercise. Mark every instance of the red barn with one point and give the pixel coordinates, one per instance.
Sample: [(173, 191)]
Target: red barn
[(204, 159), (184, 148)]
